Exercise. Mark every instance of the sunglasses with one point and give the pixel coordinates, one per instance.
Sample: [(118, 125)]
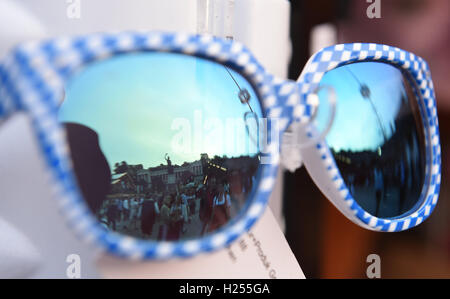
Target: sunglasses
[(166, 145)]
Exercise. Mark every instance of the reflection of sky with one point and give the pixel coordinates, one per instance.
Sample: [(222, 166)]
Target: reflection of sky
[(132, 101), (356, 126)]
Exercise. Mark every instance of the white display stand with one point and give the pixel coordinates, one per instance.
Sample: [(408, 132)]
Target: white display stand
[(26, 207)]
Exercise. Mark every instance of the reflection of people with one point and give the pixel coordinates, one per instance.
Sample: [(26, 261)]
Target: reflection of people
[(188, 199), (164, 218), (112, 214), (221, 208), (237, 187), (125, 210), (176, 220), (190, 208), (134, 212), (89, 163), (148, 217), (206, 206)]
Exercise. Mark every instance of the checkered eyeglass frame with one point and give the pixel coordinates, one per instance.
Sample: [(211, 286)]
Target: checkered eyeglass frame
[(32, 79), (319, 160)]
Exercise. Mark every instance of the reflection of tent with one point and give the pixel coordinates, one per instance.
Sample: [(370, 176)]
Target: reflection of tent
[(122, 182), (116, 178)]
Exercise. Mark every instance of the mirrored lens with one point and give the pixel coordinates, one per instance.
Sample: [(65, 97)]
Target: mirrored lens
[(377, 137), (160, 145)]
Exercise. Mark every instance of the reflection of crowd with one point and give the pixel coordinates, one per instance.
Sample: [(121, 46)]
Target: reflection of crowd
[(387, 181), (388, 190), (386, 185), (190, 210)]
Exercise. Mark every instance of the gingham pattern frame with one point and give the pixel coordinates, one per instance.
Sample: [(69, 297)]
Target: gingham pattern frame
[(32, 79), (342, 54)]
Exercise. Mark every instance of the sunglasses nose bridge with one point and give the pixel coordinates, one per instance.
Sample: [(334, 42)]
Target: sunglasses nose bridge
[(303, 133), (312, 102), (291, 157), (307, 102)]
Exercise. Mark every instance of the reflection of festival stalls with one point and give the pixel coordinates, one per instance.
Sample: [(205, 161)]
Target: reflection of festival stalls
[(166, 178), (396, 157), (171, 185), (243, 163), (122, 183), (225, 169), (186, 177)]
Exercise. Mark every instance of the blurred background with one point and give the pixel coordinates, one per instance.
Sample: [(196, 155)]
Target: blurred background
[(326, 244)]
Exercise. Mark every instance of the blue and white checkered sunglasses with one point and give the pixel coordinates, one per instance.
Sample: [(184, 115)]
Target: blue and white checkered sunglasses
[(163, 145)]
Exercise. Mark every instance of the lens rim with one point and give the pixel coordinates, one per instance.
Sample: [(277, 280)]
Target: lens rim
[(319, 160), (44, 67), (417, 112)]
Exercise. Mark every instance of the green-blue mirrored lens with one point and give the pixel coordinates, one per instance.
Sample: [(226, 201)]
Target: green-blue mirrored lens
[(377, 137), (168, 133)]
